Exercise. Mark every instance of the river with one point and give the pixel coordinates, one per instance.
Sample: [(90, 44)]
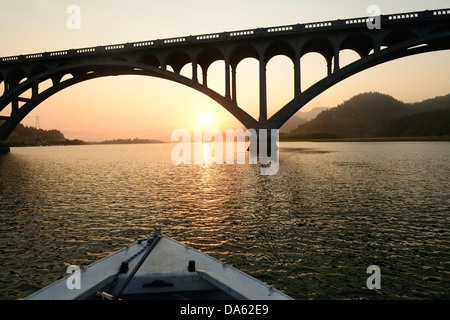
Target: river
[(311, 230)]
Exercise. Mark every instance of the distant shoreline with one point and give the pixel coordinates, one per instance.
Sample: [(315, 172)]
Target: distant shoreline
[(129, 141), (374, 139), (84, 143)]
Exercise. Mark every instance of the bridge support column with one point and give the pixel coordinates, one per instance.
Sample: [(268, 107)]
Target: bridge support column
[(205, 77), (233, 84), (262, 92), (329, 66), (35, 91), (297, 77), (4, 146), (336, 60), (227, 80), (14, 106), (194, 71)]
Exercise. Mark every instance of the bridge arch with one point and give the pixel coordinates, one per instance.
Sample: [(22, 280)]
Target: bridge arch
[(205, 58), (60, 76), (283, 48), (398, 36), (208, 56), (320, 45), (241, 52), (279, 92), (361, 43), (15, 76), (149, 59), (395, 51), (83, 73), (66, 76), (238, 54), (177, 60)]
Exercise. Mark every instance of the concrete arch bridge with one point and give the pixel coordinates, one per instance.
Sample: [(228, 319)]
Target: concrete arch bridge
[(399, 35)]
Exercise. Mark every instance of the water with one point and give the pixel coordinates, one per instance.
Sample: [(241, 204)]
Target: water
[(311, 230)]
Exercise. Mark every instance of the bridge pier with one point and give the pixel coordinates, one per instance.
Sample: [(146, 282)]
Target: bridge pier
[(270, 146), (233, 84), (4, 146), (297, 77), (227, 80), (262, 92), (194, 71), (336, 60)]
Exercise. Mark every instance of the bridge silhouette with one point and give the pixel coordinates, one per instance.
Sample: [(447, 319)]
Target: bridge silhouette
[(400, 35)]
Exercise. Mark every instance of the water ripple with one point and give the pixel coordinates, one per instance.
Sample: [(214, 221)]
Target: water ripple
[(311, 230)]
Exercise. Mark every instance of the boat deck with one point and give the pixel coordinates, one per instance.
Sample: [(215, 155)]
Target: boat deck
[(160, 268)]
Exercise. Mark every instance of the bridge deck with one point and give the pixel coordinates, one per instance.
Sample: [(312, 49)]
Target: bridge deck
[(241, 34)]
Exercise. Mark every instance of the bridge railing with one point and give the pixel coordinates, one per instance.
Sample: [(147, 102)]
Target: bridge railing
[(392, 18)]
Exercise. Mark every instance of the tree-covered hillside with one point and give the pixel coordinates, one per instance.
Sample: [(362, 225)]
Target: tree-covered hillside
[(29, 136), (380, 115)]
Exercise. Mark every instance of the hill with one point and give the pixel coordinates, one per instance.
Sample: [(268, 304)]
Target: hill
[(29, 136), (380, 115), (300, 118), (129, 141)]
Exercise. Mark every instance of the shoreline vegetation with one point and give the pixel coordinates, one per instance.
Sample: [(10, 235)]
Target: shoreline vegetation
[(129, 141), (366, 117), (283, 138), (374, 116), (321, 137), (24, 136), (77, 142)]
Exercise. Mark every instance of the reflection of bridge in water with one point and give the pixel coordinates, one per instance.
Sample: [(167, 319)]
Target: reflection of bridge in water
[(400, 35)]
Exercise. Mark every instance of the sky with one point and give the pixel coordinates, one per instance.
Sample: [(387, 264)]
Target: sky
[(143, 107)]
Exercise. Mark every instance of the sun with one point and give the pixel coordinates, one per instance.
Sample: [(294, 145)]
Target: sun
[(204, 121)]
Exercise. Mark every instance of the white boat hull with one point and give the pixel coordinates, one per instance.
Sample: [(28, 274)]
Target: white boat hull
[(167, 273)]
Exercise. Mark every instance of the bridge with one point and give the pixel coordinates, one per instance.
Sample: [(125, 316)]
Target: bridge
[(399, 35)]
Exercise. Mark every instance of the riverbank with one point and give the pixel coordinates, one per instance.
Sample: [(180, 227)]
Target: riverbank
[(297, 138)]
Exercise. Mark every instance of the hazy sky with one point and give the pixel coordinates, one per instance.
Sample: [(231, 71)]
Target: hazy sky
[(143, 107)]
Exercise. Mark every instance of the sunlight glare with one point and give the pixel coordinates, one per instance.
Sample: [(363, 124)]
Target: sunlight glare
[(204, 122)]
